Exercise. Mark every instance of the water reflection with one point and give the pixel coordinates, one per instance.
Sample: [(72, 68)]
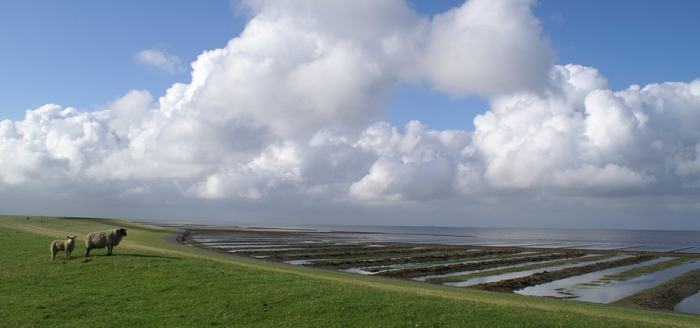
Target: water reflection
[(689, 305)]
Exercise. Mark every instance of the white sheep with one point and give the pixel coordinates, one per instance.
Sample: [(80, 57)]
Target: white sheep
[(63, 245), (102, 239)]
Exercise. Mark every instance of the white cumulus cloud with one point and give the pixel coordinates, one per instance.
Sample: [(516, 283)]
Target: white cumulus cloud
[(288, 110), (487, 47)]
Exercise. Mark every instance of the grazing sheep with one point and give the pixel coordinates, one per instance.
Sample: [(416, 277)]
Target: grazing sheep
[(62, 245), (102, 239)]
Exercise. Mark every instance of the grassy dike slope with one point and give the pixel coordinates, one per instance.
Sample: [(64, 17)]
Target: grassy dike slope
[(149, 283)]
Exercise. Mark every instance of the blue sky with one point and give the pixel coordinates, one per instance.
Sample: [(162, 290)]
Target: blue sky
[(81, 53), (489, 112)]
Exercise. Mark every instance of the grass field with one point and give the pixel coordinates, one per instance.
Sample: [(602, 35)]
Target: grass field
[(150, 283)]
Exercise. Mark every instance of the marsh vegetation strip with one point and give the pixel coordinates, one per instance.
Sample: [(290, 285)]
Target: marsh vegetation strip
[(377, 264), (574, 288), (662, 264), (495, 276), (464, 276), (485, 259), (390, 256), (539, 278), (415, 272)]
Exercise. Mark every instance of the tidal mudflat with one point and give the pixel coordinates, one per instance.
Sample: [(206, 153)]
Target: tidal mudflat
[(542, 269)]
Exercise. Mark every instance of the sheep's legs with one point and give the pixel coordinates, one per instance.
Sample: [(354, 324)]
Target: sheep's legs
[(109, 251)]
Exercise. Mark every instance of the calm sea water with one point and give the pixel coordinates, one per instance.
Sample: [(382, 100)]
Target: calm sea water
[(640, 240)]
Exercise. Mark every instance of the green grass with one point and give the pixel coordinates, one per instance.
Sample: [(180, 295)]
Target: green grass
[(149, 283)]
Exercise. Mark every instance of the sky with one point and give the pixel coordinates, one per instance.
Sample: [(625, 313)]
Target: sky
[(495, 113)]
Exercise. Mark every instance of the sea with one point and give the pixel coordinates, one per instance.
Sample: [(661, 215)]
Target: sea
[(591, 239)]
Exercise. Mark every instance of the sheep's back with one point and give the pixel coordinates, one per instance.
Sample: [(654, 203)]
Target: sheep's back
[(58, 245), (100, 239)]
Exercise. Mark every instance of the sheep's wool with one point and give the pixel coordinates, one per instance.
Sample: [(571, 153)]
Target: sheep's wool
[(63, 245), (102, 239)]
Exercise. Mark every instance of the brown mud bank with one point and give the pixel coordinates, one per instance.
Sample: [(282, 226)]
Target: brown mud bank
[(665, 296), (539, 278), (443, 269), (348, 251), (384, 261)]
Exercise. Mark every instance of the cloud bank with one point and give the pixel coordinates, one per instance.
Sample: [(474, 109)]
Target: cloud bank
[(287, 112)]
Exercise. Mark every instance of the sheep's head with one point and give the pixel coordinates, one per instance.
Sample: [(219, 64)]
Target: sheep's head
[(121, 232), (72, 238)]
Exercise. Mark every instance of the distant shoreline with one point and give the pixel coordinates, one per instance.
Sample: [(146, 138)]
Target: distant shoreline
[(677, 242)]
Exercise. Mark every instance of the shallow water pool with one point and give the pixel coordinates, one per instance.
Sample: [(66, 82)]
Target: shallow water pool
[(689, 305)]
